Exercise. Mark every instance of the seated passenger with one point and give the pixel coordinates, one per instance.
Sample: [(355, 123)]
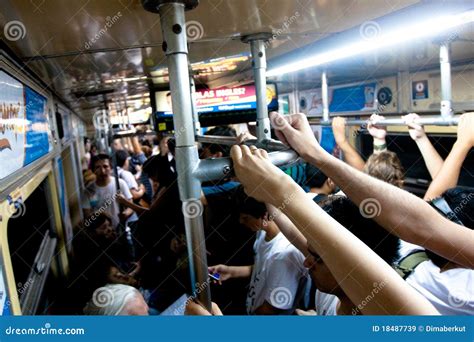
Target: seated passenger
[(277, 275), (116, 300), (100, 256)]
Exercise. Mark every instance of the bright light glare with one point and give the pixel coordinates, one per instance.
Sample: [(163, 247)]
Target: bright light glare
[(426, 28)]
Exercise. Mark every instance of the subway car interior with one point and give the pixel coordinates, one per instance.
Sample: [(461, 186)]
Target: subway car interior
[(284, 157)]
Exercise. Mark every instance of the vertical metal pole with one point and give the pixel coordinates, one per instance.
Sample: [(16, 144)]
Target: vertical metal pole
[(175, 46), (259, 59), (445, 65), (325, 96), (197, 124)]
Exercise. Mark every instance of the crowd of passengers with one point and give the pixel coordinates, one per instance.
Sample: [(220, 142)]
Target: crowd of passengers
[(329, 236)]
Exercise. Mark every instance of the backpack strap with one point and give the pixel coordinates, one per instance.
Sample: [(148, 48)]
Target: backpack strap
[(407, 265)]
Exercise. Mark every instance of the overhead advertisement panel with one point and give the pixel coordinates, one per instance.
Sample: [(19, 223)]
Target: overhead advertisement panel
[(25, 135)]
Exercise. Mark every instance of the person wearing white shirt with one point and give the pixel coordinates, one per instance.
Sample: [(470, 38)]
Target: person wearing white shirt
[(277, 277), (103, 194)]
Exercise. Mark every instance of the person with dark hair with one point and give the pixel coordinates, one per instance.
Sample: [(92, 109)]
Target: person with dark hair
[(278, 267), (122, 159), (330, 298), (318, 183), (102, 194), (447, 285), (98, 259), (369, 232), (217, 150), (342, 252)]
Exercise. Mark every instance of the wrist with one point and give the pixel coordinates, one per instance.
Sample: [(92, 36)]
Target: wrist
[(379, 145)]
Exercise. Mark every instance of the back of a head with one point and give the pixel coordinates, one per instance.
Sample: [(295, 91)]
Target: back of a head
[(367, 230), (121, 157), (314, 177), (111, 300), (461, 201), (249, 205), (385, 166), (159, 167), (222, 131)]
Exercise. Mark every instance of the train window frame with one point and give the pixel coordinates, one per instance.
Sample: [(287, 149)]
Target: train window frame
[(51, 248)]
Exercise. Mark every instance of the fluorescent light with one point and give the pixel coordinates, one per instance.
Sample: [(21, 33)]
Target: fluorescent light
[(406, 33)]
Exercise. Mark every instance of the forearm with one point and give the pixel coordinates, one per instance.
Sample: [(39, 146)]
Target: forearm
[(240, 271), (399, 212), (354, 265), (289, 230), (432, 159), (380, 145), (351, 156), (448, 176), (135, 207), (136, 145)]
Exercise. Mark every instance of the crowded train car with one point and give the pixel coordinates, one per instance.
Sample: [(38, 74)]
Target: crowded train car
[(252, 157)]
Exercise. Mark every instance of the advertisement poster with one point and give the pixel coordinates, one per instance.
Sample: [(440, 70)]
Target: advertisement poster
[(24, 128), (352, 98), (221, 99)]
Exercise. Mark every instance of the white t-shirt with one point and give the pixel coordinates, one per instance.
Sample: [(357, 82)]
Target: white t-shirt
[(278, 274), (127, 176), (325, 304), (103, 198), (451, 292)]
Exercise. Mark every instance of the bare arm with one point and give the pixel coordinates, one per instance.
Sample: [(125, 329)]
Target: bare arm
[(448, 176), (378, 133), (351, 156), (432, 159), (399, 212), (288, 229), (354, 265)]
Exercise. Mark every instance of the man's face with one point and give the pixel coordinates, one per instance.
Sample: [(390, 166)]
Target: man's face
[(320, 274), (102, 169), (254, 224), (106, 230)]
